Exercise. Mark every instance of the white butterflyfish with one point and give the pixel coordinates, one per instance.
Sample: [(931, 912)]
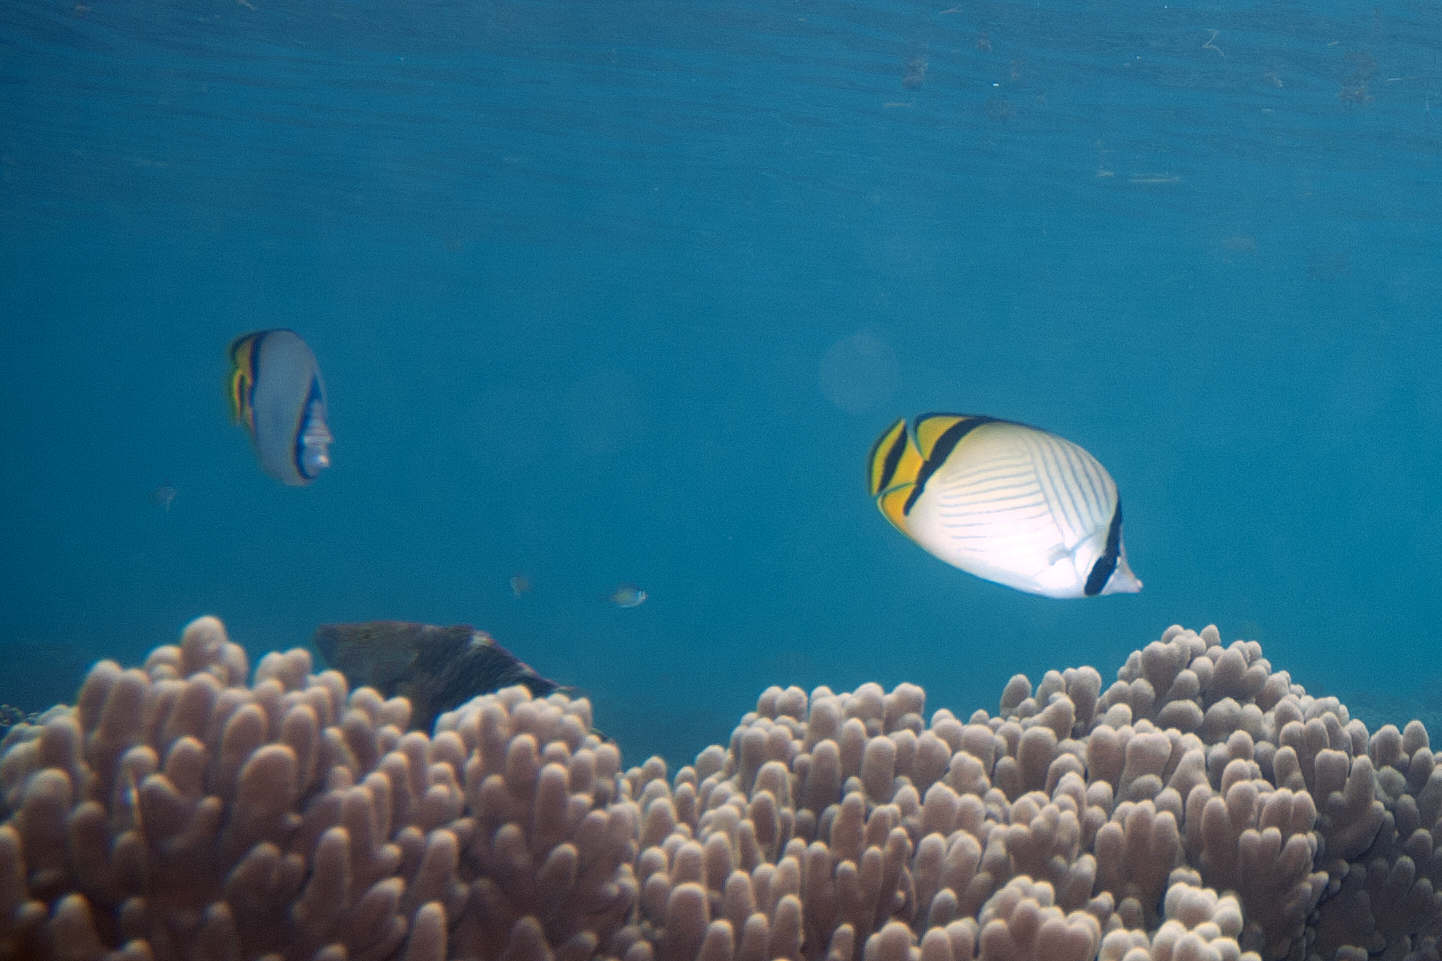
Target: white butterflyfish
[(1009, 503), (277, 395)]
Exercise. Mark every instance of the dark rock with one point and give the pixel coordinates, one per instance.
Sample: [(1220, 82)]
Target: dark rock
[(436, 668)]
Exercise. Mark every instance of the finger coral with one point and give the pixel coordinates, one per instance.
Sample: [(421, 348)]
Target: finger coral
[(179, 812), (1200, 807)]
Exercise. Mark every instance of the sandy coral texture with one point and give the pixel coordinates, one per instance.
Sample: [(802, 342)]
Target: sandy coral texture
[(1200, 807)]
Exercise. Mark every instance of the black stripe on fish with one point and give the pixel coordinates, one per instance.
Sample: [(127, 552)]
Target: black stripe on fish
[(307, 413), (255, 367), (893, 457), (251, 375), (940, 451), (1107, 563)]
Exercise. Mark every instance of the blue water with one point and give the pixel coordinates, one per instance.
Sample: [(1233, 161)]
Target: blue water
[(612, 292)]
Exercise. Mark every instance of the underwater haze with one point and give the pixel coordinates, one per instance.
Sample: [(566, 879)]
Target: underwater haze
[(621, 292)]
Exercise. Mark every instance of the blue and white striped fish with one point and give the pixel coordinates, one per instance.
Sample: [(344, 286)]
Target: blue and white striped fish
[(277, 395), (1007, 502)]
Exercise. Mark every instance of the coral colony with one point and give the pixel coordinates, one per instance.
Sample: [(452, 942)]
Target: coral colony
[(1201, 807)]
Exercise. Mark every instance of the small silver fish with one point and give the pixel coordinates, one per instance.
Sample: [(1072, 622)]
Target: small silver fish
[(520, 585), (627, 595)]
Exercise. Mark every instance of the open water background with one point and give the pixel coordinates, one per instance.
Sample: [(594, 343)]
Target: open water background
[(622, 291)]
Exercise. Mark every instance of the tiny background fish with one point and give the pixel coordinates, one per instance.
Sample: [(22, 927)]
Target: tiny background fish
[(627, 595), (163, 496)]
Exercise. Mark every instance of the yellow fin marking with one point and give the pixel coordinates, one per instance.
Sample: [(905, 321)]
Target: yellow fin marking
[(241, 382), (892, 503), (929, 429), (882, 451)]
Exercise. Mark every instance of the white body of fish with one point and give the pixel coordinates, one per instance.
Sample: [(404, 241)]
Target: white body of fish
[(1021, 507), (291, 435)]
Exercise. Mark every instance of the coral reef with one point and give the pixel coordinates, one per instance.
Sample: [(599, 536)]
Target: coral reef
[(10, 715), (1200, 807)]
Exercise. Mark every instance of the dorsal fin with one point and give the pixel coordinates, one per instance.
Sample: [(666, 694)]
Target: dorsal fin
[(893, 460), (240, 387), (928, 429), (937, 436)]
